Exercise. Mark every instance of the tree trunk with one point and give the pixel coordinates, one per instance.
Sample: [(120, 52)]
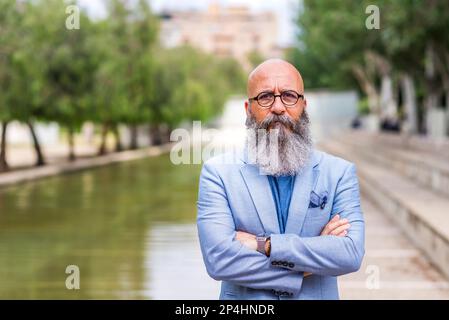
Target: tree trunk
[(104, 134), (446, 81), (40, 158), (3, 162), (71, 141), (166, 134), (155, 135), (431, 98), (368, 88), (442, 65), (388, 105), (410, 105), (133, 133), (447, 101), (118, 143), (387, 101)]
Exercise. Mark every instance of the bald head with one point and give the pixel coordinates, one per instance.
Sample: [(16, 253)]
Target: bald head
[(275, 76), (274, 73)]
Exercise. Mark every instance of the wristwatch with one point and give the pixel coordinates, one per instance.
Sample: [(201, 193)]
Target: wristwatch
[(261, 242)]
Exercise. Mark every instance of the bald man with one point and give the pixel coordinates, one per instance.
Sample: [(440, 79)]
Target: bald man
[(282, 220)]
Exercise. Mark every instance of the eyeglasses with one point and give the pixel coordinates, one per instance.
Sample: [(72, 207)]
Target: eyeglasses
[(266, 99)]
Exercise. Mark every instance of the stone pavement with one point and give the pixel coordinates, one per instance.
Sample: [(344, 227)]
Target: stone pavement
[(402, 271), (416, 205)]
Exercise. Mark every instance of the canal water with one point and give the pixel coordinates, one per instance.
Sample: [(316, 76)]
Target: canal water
[(129, 228)]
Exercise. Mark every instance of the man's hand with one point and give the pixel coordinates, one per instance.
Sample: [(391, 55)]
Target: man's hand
[(336, 227), (247, 239)]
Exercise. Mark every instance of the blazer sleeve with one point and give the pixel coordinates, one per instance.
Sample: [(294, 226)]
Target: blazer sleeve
[(327, 255), (226, 258)]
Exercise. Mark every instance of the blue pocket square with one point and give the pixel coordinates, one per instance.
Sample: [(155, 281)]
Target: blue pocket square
[(318, 200)]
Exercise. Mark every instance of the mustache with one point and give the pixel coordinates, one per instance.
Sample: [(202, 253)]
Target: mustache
[(272, 118)]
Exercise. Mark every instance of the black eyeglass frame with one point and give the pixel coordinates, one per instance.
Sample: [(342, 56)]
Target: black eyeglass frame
[(256, 98)]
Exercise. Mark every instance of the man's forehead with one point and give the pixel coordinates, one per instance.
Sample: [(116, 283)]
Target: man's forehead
[(274, 72), (270, 81), (276, 78)]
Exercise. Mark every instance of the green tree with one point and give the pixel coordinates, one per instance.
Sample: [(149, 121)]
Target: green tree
[(70, 63), (125, 88), (408, 54), (22, 85)]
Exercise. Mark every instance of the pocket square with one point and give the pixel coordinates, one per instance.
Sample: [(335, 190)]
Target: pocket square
[(318, 200)]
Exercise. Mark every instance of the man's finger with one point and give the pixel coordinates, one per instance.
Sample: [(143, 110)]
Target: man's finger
[(326, 229), (242, 236), (333, 225), (343, 234), (340, 229)]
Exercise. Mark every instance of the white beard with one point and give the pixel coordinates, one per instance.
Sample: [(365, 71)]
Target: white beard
[(277, 151)]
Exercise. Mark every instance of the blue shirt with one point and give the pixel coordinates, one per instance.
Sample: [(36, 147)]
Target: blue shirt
[(282, 189)]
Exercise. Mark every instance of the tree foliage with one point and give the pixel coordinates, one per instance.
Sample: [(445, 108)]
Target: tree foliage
[(110, 71), (402, 66)]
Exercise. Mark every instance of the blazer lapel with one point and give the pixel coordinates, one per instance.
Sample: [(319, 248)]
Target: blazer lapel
[(299, 204), (260, 191)]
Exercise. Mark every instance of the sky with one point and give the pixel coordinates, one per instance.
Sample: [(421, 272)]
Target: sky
[(285, 9)]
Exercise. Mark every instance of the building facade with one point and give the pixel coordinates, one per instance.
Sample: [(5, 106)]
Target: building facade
[(232, 31)]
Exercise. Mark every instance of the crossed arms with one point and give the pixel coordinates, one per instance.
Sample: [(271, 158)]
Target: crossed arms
[(230, 255)]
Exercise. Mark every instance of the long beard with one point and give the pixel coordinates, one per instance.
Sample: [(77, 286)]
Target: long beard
[(278, 151)]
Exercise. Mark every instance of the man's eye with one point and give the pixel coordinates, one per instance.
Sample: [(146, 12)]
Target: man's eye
[(265, 96), (289, 95)]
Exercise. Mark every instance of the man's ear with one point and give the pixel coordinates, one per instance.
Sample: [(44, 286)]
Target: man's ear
[(246, 107), (305, 103)]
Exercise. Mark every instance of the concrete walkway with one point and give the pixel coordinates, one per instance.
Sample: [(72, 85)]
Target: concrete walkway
[(392, 268), (419, 211)]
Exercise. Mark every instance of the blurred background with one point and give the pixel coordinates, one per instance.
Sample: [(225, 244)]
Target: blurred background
[(90, 92)]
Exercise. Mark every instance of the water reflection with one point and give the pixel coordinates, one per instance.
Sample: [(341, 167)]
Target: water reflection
[(117, 223), (176, 268)]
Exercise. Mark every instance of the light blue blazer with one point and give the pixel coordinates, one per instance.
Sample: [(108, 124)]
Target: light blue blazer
[(234, 196)]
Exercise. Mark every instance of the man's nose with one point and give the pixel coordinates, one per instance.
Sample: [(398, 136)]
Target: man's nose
[(278, 107)]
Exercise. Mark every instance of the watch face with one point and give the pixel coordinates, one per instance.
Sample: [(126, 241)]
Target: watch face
[(261, 244)]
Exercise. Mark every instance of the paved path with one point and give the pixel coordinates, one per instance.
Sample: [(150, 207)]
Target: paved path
[(402, 270)]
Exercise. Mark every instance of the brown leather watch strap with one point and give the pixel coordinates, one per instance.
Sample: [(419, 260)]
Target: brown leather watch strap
[(268, 246)]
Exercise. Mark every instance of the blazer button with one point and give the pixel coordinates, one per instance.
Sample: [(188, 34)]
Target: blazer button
[(274, 263), (291, 265), (285, 263)]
